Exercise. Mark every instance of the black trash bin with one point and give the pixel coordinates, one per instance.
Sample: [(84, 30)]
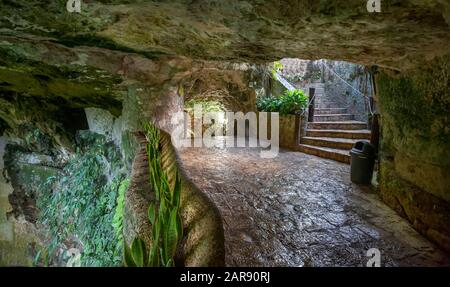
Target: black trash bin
[(362, 162)]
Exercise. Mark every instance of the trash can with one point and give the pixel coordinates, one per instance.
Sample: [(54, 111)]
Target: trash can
[(362, 162)]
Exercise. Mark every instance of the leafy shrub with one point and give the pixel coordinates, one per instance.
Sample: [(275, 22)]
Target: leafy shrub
[(78, 207), (268, 104), (118, 215), (291, 102)]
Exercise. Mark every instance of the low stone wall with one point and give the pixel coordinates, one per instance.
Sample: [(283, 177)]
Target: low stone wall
[(291, 129), (203, 242)]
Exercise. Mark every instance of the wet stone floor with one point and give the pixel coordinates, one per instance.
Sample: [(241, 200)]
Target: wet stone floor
[(301, 210)]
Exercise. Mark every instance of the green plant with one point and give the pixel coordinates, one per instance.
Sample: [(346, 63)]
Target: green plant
[(136, 255), (268, 104), (291, 102), (118, 215), (163, 214), (277, 66), (41, 257), (78, 206)]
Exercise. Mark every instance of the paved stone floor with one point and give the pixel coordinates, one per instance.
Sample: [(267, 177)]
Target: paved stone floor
[(301, 210)]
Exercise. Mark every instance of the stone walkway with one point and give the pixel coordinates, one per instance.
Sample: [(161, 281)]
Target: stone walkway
[(301, 210)]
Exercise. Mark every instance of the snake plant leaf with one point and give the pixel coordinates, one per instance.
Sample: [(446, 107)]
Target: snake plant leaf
[(138, 252), (127, 258), (177, 192), (155, 186), (179, 227), (162, 211), (165, 186), (153, 259), (171, 236), (156, 230), (167, 226), (154, 250), (170, 263), (163, 257), (152, 213)]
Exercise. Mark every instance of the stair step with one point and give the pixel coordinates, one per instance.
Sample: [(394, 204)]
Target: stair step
[(342, 125), (319, 90), (330, 111), (320, 100), (330, 153), (348, 134), (334, 117), (338, 143), (327, 105)]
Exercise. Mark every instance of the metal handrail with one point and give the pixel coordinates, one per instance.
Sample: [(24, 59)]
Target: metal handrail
[(309, 103), (290, 86), (339, 77), (284, 82)]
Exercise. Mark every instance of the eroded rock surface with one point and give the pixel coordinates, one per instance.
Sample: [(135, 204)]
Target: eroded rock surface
[(301, 210), (249, 30)]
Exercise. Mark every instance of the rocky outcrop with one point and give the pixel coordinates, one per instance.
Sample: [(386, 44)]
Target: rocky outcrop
[(415, 167), (248, 31)]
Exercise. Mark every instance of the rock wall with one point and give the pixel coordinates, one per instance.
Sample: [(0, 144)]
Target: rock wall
[(6, 227), (415, 146), (231, 85), (249, 31), (16, 235)]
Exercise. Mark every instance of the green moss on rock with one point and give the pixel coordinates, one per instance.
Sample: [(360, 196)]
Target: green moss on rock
[(415, 112)]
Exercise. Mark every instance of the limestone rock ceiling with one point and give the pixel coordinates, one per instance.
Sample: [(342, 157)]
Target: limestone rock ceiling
[(250, 31), (90, 58)]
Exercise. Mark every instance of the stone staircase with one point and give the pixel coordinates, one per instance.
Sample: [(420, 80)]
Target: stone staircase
[(334, 130)]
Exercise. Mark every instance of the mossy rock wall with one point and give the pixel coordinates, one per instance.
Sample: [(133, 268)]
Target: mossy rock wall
[(415, 146)]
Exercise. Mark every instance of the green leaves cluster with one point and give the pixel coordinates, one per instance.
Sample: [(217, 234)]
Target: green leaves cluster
[(119, 213), (167, 227), (78, 207), (291, 102), (277, 67)]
